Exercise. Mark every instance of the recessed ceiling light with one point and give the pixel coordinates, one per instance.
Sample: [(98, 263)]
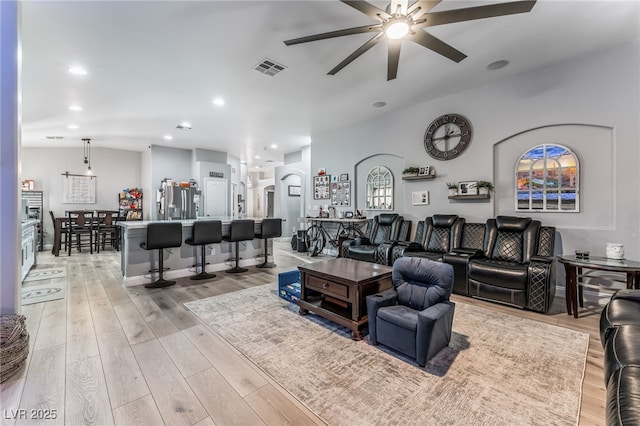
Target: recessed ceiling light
[(379, 104), (77, 70), (274, 146), (75, 108), (497, 65), (168, 137), (256, 157), (218, 101), (73, 126), (185, 125)]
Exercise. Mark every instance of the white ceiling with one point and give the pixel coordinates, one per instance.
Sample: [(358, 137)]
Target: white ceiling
[(153, 64)]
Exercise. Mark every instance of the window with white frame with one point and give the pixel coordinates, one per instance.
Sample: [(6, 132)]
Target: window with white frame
[(547, 180), (379, 189)]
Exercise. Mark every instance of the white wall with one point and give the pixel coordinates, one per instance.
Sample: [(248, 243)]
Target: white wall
[(295, 171), (602, 89), (10, 139), (115, 170)]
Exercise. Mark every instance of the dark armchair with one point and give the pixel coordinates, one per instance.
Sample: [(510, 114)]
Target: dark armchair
[(416, 316), (382, 228)]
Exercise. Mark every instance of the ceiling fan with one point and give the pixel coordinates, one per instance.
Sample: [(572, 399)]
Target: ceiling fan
[(403, 21)]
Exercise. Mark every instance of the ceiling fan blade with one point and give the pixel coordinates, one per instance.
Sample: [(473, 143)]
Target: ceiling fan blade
[(477, 12), (421, 7), (359, 51), (338, 33), (368, 9), (437, 45), (394, 58)]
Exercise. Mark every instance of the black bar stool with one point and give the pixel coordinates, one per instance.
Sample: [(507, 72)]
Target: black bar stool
[(271, 228), (204, 232), (239, 230), (159, 237)]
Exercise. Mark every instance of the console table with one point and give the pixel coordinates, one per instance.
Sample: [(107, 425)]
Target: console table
[(573, 267), (336, 290)]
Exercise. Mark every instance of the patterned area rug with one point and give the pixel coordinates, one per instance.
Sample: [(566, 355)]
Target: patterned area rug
[(41, 293), (45, 274), (499, 369)]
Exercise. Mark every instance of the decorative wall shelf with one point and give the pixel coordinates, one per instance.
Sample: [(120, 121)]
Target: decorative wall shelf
[(469, 197), (427, 177)]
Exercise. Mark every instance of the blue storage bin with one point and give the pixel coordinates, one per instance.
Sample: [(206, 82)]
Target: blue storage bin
[(289, 285)]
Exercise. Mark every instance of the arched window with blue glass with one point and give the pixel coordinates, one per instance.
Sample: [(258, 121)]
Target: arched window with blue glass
[(547, 180)]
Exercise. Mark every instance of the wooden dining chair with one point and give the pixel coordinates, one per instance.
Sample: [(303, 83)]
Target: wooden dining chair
[(80, 227), (107, 230), (63, 232)]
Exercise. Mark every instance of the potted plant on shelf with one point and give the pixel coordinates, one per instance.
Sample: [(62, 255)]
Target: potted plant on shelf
[(453, 188), (484, 187), (410, 171)]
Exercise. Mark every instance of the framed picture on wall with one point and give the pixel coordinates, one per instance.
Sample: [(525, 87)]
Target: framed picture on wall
[(321, 188), (468, 188), (420, 198), (341, 193), (424, 171), (294, 190), (344, 177)]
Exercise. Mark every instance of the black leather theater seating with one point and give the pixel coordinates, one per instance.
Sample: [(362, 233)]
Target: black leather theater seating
[(620, 337)]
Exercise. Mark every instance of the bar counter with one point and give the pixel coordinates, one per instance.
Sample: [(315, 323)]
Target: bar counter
[(136, 262)]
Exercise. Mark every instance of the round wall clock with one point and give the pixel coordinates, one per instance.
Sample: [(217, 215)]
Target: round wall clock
[(447, 136)]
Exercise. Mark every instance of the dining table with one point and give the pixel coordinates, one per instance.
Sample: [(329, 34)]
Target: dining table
[(59, 226)]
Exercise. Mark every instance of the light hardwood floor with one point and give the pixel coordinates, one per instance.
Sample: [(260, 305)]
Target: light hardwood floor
[(108, 354)]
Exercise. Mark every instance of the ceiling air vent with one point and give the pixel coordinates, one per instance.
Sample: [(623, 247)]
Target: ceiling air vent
[(269, 67), (57, 138)]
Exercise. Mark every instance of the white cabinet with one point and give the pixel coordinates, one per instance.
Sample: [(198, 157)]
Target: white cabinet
[(28, 246)]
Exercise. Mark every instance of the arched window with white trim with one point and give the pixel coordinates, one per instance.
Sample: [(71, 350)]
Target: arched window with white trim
[(547, 180), (379, 189)]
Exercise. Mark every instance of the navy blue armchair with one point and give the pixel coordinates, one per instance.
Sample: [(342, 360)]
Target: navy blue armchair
[(416, 316)]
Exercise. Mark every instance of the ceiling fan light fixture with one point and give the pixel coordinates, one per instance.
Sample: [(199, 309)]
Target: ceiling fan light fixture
[(397, 28)]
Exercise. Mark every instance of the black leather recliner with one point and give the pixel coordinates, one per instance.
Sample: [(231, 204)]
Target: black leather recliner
[(512, 269), (442, 234), (620, 338), (384, 227)]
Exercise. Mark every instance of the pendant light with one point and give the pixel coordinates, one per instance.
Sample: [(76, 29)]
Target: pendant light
[(87, 154)]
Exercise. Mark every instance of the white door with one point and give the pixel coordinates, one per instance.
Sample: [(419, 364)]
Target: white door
[(216, 197)]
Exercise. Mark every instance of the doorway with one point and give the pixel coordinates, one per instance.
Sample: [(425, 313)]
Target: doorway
[(269, 200), (216, 197)]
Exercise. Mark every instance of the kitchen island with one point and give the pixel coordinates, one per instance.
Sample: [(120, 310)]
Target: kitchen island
[(135, 262)]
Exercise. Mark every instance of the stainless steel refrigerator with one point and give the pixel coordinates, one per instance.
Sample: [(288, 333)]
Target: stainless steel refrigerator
[(177, 202)]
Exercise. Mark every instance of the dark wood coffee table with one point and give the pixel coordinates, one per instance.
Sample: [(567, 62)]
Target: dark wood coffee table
[(336, 290)]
